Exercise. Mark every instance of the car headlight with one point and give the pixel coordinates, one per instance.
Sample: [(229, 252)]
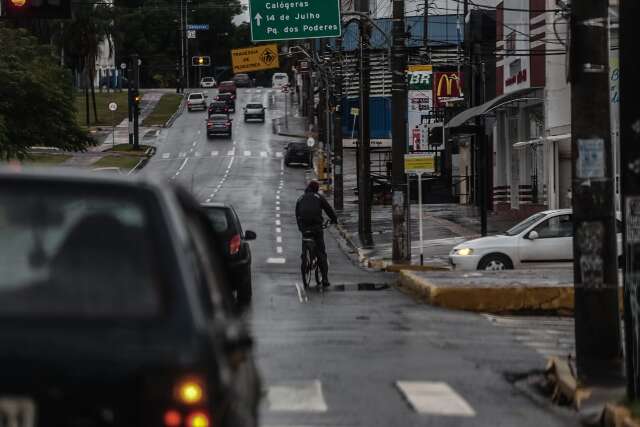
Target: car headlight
[(464, 251)]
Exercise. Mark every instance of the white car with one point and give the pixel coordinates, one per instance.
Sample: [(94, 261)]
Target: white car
[(542, 238), (197, 100), (208, 82), (279, 80)]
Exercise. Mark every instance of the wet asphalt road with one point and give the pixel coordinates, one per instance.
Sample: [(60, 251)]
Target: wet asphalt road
[(346, 357)]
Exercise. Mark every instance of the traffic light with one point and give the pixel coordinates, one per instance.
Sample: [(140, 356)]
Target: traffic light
[(201, 61), (35, 9), (135, 96)]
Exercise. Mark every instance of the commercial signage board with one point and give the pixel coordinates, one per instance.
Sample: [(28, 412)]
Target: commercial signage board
[(447, 88), (255, 58), (294, 19), (419, 163), (420, 102)]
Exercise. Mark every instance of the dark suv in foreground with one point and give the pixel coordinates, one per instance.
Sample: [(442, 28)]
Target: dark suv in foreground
[(298, 152), (115, 308)]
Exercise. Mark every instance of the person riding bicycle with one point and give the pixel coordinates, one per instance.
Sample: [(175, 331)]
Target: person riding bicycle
[(309, 209)]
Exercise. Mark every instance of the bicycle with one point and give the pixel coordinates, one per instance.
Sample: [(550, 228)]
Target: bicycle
[(310, 264)]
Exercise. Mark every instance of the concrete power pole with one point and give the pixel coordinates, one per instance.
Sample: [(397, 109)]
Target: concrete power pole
[(400, 248), (364, 155), (597, 326), (630, 171), (338, 181)]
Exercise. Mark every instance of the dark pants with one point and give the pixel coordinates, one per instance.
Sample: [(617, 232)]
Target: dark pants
[(321, 253)]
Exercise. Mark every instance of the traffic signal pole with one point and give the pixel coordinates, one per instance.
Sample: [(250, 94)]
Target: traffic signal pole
[(136, 105), (400, 252), (597, 326), (630, 171)]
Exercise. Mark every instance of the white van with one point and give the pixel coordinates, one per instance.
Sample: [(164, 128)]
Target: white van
[(279, 80)]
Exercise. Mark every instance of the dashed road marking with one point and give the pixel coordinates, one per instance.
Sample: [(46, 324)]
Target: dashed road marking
[(278, 230), (247, 153), (197, 154), (277, 208), (435, 398), (304, 396), (279, 239), (263, 154), (166, 155), (278, 154), (278, 222), (276, 260), (302, 295), (214, 153), (279, 249), (182, 155), (183, 164)]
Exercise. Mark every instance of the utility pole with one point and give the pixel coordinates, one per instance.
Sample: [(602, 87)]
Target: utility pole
[(630, 152), (426, 30), (130, 101), (597, 326), (400, 248), (136, 107), (338, 181)]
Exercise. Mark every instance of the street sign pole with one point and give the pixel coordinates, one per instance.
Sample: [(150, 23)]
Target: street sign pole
[(419, 164), (420, 216)]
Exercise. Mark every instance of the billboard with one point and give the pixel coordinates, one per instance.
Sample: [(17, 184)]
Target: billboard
[(447, 88), (420, 99)]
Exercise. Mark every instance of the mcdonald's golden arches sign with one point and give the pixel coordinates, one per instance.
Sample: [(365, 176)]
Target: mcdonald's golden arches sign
[(447, 88)]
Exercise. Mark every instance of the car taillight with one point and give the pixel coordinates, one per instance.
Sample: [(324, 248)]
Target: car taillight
[(172, 418), (234, 245), (209, 124), (198, 419), (228, 124)]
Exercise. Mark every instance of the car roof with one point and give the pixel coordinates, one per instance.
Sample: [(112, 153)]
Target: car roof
[(195, 93), (227, 82), (58, 175), (255, 103), (219, 117), (216, 205), (557, 211)]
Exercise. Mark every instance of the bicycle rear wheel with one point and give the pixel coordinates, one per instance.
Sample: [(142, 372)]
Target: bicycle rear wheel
[(318, 273), (306, 268)]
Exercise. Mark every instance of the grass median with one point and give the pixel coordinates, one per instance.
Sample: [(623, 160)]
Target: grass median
[(105, 116), (125, 163), (45, 159), (164, 109)]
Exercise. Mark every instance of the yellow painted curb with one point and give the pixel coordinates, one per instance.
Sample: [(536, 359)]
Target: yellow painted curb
[(489, 299)]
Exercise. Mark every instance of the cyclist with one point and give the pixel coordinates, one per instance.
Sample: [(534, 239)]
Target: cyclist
[(309, 209)]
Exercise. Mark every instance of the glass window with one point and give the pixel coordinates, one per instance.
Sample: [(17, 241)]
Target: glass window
[(557, 226), (520, 227), (218, 218), (76, 253)]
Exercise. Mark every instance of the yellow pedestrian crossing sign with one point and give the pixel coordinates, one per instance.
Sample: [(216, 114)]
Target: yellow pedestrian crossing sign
[(255, 58), (419, 163)]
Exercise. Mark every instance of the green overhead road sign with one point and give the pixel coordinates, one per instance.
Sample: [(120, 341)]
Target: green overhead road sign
[(294, 19)]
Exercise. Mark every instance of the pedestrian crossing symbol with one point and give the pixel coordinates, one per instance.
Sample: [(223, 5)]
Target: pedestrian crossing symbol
[(255, 58)]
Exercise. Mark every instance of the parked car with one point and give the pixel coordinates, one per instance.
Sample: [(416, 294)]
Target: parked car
[(279, 80), (115, 307), (229, 99), (208, 82), (197, 100), (219, 124), (234, 245), (254, 111), (227, 87), (242, 80), (218, 107), (542, 238), (298, 152)]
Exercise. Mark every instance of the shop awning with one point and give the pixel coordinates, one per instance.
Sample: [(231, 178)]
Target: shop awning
[(470, 113), (538, 141)]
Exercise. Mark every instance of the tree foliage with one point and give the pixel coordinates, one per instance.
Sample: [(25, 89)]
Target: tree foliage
[(36, 98)]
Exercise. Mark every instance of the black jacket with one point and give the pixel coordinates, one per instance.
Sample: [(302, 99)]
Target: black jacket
[(309, 209)]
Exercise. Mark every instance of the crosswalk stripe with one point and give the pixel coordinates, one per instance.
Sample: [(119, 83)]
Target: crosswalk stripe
[(166, 155), (182, 155), (278, 154), (435, 398), (263, 154), (231, 153), (197, 154), (303, 396), (247, 153), (214, 153)]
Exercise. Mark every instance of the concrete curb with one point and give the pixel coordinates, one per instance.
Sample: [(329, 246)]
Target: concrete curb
[(175, 115), (615, 415), (151, 151), (397, 268), (488, 299)]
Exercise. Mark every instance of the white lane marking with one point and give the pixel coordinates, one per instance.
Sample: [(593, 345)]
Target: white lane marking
[(191, 150), (182, 155), (195, 142), (247, 153), (198, 154), (302, 296), (230, 163), (278, 230), (279, 249), (278, 222), (277, 196), (183, 164), (278, 154), (234, 142), (304, 396), (166, 155), (263, 154), (214, 153), (277, 208), (277, 202), (231, 152), (276, 260), (277, 215), (436, 398), (177, 173), (279, 239), (208, 200), (199, 132)]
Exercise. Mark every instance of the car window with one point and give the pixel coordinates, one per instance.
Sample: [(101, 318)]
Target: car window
[(522, 226), (219, 118), (77, 252), (254, 105), (218, 218), (195, 96), (554, 227)]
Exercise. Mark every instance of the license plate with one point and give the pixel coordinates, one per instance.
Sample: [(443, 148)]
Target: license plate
[(17, 412)]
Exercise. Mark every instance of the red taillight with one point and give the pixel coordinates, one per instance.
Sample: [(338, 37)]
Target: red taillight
[(234, 245), (228, 124), (198, 419), (172, 418), (217, 98), (209, 125)]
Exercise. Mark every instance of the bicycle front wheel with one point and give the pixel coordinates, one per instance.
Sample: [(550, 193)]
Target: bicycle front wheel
[(317, 273), (306, 268)]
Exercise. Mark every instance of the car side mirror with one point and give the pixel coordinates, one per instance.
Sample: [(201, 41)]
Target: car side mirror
[(250, 235), (533, 235)]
